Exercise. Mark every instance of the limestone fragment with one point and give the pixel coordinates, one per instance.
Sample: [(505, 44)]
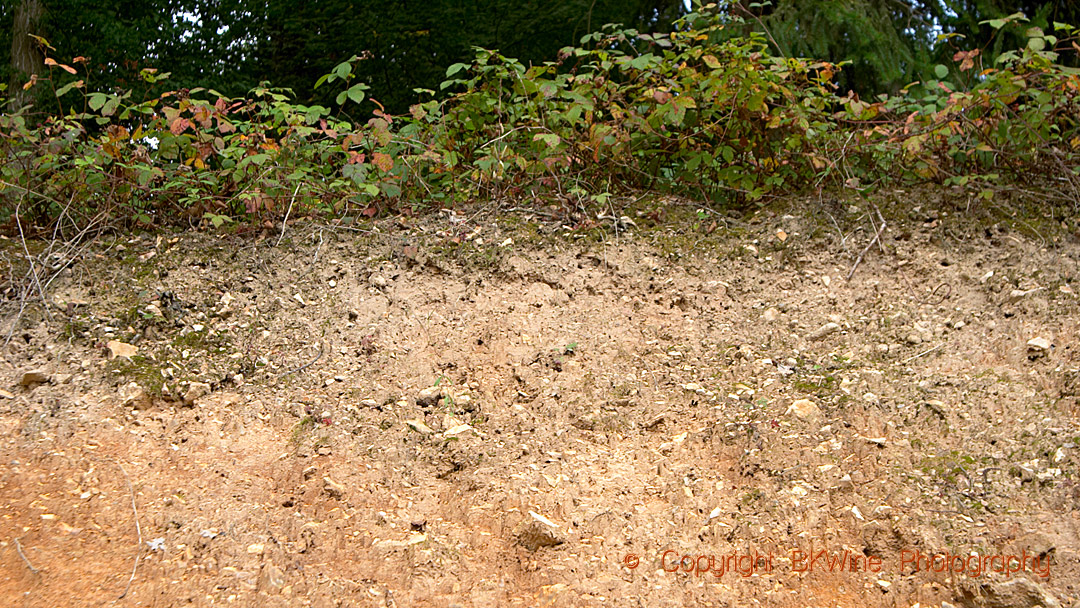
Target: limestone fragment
[(538, 531), (804, 409), (823, 331)]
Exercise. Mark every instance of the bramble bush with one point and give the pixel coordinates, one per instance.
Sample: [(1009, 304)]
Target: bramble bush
[(694, 112)]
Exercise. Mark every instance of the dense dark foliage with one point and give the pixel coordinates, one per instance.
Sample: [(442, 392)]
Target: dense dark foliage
[(232, 45), (889, 43)]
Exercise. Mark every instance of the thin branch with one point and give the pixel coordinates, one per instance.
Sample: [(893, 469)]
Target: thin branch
[(34, 192), (285, 222), (779, 50), (33, 269), (871, 244)]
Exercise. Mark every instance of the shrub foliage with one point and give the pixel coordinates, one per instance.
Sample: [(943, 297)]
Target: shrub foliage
[(695, 112)]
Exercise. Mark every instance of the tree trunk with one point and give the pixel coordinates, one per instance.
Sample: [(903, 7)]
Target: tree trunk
[(27, 59)]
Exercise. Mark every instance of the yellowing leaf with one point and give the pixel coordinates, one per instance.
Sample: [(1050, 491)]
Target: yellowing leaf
[(552, 140), (383, 161), (756, 102)]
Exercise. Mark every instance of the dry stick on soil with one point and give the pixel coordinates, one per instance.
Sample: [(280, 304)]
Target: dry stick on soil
[(285, 222), (315, 260), (138, 530), (925, 352), (871, 244), (18, 547), (306, 365)]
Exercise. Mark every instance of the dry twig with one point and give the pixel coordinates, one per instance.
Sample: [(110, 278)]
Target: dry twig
[(925, 352), (285, 222), (871, 244), (18, 547)]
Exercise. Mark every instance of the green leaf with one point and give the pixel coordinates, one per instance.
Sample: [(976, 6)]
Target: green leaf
[(216, 219), (356, 92), (110, 106), (642, 62), (97, 100), (941, 71), (342, 70), (67, 87), (257, 159), (454, 69)]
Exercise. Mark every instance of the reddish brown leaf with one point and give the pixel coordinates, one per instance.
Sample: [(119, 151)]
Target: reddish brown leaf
[(179, 125), (383, 161), (202, 115), (49, 61)]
